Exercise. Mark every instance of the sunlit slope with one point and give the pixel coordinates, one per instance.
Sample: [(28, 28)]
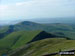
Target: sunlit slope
[(9, 40), (20, 38), (17, 39), (25, 38), (45, 46)]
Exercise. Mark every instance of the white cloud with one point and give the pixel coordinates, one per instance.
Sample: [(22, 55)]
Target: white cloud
[(21, 3), (24, 3)]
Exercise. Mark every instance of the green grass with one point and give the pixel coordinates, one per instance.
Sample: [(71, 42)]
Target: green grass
[(25, 38), (46, 46), (68, 34), (17, 39), (9, 40), (55, 47), (4, 29)]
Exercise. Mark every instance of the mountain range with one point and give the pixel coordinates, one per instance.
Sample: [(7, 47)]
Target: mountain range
[(27, 38)]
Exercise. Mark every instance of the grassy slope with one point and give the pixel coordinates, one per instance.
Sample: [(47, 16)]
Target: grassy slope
[(9, 40), (18, 38), (54, 47), (25, 38), (58, 27), (68, 34), (3, 32), (45, 46)]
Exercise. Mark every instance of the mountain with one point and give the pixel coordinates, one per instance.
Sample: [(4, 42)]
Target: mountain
[(31, 36), (29, 26), (5, 30)]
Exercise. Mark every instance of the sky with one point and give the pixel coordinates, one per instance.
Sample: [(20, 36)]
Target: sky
[(33, 9)]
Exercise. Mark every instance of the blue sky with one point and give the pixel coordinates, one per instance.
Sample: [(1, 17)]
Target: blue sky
[(29, 9)]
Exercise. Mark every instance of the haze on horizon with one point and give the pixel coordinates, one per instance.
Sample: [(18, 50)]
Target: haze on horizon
[(29, 9)]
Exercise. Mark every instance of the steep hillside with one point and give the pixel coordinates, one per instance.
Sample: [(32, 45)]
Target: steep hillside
[(12, 38), (4, 31), (45, 46), (44, 35), (25, 38)]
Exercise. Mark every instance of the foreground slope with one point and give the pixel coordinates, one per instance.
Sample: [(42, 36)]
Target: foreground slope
[(39, 48)]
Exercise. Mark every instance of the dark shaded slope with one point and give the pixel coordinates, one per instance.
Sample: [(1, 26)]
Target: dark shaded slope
[(7, 31), (43, 35)]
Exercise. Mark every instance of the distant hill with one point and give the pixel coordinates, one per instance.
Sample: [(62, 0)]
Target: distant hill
[(5, 30), (29, 26)]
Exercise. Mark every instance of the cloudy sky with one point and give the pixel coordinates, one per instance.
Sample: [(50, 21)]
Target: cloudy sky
[(28, 9)]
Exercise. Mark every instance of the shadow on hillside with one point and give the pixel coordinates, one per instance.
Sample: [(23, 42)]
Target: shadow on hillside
[(43, 35)]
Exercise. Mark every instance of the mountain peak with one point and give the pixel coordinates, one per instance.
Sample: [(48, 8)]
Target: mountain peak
[(26, 22)]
